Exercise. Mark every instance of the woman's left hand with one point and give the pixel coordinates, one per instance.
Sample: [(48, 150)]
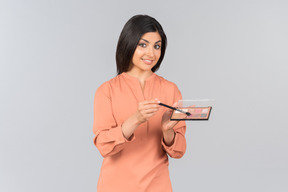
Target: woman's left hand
[(167, 127), (166, 123)]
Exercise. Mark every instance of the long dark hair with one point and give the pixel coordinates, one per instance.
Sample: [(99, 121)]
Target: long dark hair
[(131, 33)]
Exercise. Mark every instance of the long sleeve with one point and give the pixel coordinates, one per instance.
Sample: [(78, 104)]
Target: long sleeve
[(178, 148), (108, 138)]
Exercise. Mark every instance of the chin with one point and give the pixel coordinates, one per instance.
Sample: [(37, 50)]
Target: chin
[(148, 67)]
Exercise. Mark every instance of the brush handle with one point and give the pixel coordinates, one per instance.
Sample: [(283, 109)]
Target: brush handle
[(187, 113), (167, 106)]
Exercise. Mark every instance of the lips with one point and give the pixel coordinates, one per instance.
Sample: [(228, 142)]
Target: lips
[(147, 61)]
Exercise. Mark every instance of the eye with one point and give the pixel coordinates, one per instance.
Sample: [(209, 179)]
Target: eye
[(157, 46), (142, 45)]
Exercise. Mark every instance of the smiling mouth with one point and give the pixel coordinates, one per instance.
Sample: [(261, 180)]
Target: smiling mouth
[(147, 61)]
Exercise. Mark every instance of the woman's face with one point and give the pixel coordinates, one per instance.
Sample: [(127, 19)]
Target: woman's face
[(147, 52)]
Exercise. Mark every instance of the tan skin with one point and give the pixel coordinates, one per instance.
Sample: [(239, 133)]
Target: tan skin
[(144, 59)]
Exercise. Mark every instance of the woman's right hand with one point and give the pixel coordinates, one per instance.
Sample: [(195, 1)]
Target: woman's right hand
[(147, 109)]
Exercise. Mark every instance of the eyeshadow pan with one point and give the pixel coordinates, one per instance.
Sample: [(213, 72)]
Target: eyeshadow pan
[(204, 110)]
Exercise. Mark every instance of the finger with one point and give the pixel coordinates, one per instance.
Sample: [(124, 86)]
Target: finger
[(175, 104), (148, 111), (171, 110), (154, 101), (149, 106), (148, 115)]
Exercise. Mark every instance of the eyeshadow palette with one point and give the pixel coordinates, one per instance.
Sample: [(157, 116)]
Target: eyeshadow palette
[(197, 113)]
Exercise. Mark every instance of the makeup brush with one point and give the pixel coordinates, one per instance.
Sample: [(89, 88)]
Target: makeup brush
[(187, 113)]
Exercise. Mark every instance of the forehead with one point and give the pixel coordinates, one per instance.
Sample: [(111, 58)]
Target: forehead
[(151, 36)]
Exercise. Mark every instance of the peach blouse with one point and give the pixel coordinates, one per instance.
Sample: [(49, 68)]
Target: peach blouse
[(140, 163)]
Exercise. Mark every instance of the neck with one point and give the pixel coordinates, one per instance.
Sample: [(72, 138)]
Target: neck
[(141, 76)]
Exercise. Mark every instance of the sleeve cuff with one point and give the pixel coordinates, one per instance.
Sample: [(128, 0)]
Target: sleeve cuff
[(170, 148), (121, 137), (178, 148)]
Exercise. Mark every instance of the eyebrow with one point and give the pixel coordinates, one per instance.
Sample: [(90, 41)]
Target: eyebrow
[(149, 42)]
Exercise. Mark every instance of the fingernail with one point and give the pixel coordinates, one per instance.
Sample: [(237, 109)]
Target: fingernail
[(157, 100)]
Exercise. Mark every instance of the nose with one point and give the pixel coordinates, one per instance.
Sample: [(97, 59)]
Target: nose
[(150, 51)]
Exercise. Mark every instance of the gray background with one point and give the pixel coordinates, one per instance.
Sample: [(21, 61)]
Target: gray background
[(54, 55)]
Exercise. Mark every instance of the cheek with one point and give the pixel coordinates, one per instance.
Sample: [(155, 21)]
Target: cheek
[(158, 54), (135, 55), (138, 53)]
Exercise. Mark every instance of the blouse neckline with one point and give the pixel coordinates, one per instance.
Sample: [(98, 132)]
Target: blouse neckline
[(151, 77)]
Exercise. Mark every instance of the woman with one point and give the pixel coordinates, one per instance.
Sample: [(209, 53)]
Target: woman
[(132, 132)]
